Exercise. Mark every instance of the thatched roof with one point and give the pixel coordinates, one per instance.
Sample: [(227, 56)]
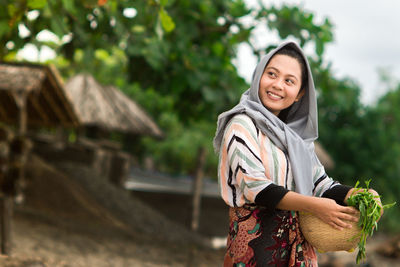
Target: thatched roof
[(47, 102), (108, 108)]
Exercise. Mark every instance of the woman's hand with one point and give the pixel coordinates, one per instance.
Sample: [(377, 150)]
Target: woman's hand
[(334, 214), (324, 208)]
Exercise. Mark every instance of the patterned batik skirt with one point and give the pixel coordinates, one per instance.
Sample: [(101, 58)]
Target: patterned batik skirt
[(258, 237)]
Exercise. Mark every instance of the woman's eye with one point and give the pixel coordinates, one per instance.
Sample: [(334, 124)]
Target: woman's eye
[(290, 81), (272, 74)]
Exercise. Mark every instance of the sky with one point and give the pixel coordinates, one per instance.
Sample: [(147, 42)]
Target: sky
[(366, 38)]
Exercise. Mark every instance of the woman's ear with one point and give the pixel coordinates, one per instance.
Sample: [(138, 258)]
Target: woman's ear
[(300, 95)]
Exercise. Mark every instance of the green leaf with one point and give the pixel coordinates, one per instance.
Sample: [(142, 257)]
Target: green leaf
[(36, 4), (11, 10), (58, 26), (166, 21), (319, 48), (218, 48), (4, 28), (389, 205), (69, 6), (238, 9), (138, 28), (101, 54), (163, 2)]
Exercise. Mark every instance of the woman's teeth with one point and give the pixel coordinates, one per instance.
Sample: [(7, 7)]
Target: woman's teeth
[(274, 95)]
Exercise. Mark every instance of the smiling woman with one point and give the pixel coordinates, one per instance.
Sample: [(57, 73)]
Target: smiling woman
[(268, 169)]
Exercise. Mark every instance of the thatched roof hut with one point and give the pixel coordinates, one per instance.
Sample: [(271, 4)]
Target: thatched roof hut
[(107, 108), (47, 104)]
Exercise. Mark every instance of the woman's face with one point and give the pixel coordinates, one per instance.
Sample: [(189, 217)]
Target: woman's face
[(280, 83)]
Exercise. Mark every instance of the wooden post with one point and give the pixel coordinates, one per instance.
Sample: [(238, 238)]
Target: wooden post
[(7, 200), (23, 116), (6, 212), (22, 128), (5, 209), (197, 186)]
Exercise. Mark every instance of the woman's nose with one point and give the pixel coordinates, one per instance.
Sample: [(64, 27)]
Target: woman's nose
[(278, 84)]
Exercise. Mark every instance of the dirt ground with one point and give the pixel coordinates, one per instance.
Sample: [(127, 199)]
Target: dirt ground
[(39, 241), (72, 216)]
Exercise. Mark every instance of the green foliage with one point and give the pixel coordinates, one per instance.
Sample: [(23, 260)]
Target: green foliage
[(181, 159), (370, 212)]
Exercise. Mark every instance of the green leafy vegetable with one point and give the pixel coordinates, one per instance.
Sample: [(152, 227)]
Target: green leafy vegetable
[(370, 212)]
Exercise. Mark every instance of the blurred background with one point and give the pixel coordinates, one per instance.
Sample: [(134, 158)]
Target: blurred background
[(108, 111)]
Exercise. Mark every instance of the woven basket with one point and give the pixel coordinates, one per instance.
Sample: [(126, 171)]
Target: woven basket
[(324, 237)]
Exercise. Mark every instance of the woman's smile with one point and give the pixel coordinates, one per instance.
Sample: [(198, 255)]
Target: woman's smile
[(274, 96)]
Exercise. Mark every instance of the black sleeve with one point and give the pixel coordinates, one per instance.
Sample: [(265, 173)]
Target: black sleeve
[(270, 196), (337, 193)]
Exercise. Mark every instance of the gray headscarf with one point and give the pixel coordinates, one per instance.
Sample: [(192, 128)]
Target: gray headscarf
[(295, 137)]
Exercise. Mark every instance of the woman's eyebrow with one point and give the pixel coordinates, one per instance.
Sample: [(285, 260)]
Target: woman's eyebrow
[(273, 68)]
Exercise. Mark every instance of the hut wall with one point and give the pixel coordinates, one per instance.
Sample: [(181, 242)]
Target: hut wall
[(119, 169)]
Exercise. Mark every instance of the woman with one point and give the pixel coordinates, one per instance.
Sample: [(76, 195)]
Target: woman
[(268, 169)]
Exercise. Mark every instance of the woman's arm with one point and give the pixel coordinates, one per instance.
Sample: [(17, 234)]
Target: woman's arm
[(324, 208)]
